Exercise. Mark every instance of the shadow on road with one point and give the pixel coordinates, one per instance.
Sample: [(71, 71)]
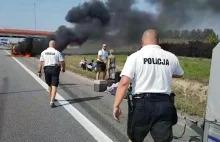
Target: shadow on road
[(195, 139), (63, 85), (78, 100), (7, 55), (37, 90), (5, 49)]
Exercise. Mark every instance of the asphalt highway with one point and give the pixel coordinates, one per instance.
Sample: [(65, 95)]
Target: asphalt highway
[(80, 115)]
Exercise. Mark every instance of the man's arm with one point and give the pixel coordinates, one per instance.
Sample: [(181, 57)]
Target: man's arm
[(121, 90), (62, 62), (100, 56), (41, 63), (178, 71), (127, 74), (63, 66)]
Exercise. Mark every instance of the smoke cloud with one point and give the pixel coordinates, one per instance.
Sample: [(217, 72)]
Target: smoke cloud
[(130, 23), (177, 14), (118, 21), (89, 21), (25, 46)]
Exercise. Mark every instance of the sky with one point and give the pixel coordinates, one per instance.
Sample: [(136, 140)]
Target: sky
[(50, 14)]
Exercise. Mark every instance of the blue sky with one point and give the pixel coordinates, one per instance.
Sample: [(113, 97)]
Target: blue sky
[(50, 14)]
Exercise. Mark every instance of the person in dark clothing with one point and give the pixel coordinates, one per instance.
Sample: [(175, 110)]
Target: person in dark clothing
[(53, 63), (150, 71)]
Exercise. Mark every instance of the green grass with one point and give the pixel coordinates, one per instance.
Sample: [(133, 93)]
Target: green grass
[(72, 63), (195, 69)]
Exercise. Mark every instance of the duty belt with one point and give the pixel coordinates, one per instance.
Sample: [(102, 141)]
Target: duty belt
[(52, 65), (151, 96)]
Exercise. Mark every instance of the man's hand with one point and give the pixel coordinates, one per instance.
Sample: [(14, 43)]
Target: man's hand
[(63, 66), (117, 113), (120, 94), (39, 74)]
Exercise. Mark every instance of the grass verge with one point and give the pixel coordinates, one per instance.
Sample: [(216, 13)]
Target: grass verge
[(195, 80)]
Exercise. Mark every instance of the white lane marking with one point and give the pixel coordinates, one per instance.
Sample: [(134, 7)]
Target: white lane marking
[(88, 125), (180, 121)]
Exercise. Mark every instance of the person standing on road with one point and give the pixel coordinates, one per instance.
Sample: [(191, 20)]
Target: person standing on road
[(53, 62), (101, 62), (150, 71)]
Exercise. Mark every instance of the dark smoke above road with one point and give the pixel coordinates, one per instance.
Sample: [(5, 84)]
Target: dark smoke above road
[(85, 18), (175, 14), (88, 20), (117, 20), (171, 14)]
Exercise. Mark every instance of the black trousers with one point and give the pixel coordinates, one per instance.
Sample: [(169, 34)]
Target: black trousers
[(151, 113), (52, 74)]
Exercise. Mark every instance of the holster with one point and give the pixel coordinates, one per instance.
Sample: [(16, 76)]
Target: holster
[(130, 100), (174, 118)]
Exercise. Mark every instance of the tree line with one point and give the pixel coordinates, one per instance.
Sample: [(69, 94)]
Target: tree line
[(195, 34)]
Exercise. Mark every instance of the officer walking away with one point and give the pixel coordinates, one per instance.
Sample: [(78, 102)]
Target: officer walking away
[(101, 62), (52, 59), (150, 71)]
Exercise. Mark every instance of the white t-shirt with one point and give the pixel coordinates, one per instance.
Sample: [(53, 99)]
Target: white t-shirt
[(103, 53), (51, 57), (151, 70)]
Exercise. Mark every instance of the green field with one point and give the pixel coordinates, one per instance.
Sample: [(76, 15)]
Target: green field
[(196, 69)]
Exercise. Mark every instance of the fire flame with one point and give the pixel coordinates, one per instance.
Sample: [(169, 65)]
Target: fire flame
[(28, 55), (13, 53)]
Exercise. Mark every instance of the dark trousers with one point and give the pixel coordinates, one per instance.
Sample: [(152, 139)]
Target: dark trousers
[(151, 113), (52, 74), (101, 66)]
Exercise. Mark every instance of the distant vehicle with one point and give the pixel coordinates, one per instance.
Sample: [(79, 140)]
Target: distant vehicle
[(4, 41)]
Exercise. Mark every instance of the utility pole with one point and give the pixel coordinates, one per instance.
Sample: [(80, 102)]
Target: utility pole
[(35, 21)]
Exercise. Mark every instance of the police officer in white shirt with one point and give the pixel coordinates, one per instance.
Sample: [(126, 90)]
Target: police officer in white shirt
[(101, 62), (51, 59), (150, 71)]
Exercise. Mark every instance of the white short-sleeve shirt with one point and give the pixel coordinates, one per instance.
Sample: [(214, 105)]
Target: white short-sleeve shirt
[(103, 53), (151, 70), (51, 57)]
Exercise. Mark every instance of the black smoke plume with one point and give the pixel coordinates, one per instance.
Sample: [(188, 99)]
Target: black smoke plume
[(88, 20), (177, 14), (126, 24), (25, 46), (129, 23)]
